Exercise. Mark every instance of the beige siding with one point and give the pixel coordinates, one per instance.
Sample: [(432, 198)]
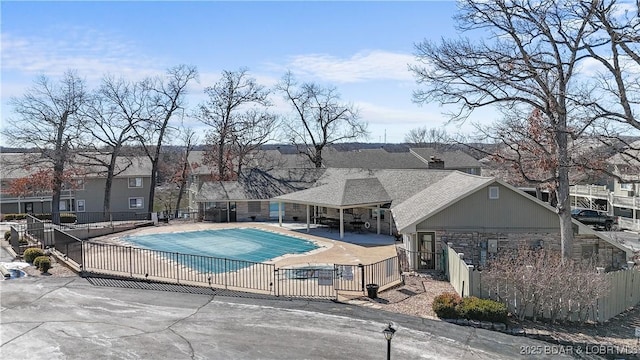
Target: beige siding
[(511, 212)]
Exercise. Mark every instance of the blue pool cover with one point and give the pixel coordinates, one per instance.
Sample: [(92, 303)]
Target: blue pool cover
[(246, 244)]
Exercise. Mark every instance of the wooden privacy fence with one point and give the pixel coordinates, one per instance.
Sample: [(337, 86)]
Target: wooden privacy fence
[(624, 290), (101, 259)]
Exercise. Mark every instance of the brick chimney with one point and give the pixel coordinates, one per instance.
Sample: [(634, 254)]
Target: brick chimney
[(435, 163)]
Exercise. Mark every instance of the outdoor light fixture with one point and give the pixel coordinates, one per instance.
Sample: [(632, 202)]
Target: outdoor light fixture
[(388, 334)]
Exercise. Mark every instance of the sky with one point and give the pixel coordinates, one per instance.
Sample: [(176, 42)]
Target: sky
[(362, 48)]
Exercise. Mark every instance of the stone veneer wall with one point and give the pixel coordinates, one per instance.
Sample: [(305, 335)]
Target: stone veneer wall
[(471, 244)]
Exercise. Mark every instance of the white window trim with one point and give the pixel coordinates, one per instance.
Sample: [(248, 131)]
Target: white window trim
[(84, 205), (135, 187), (494, 192), (141, 203)]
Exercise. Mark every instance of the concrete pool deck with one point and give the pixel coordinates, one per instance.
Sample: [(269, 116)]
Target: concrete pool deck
[(353, 249)]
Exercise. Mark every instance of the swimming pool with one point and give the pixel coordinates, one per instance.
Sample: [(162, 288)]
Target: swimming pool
[(245, 245)]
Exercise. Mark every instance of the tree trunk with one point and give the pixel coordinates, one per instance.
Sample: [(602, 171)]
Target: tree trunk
[(563, 206), (108, 184), (152, 189), (58, 170)]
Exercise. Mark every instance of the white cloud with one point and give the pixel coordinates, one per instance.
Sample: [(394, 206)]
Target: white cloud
[(91, 53), (363, 66), (376, 114)]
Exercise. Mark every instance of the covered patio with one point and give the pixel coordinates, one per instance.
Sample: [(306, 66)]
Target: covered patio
[(346, 196)]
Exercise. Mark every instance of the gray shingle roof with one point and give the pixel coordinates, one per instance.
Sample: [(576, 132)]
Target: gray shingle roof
[(452, 159), (256, 184), (399, 184), (370, 159), (435, 197), (343, 193), (19, 165)]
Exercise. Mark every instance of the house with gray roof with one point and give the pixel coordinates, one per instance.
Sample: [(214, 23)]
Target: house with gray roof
[(371, 159), (250, 197), (451, 160), (84, 192), (481, 217)]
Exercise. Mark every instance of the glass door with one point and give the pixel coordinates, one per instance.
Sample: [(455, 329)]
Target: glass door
[(427, 249)]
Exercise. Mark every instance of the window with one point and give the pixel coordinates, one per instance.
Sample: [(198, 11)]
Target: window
[(494, 192), (273, 210), (627, 186), (136, 203), (80, 206), (135, 182), (63, 205), (373, 213), (295, 207), (254, 206)]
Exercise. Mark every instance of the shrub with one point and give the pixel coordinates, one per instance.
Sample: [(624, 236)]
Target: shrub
[(7, 235), (31, 254), (474, 308), (43, 263), (11, 217), (445, 305)]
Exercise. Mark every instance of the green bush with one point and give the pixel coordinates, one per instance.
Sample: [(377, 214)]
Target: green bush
[(474, 308), (7, 235), (31, 254), (445, 305), (36, 261), (43, 263), (65, 218), (11, 217)]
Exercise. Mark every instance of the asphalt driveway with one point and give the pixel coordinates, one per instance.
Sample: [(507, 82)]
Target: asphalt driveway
[(73, 318)]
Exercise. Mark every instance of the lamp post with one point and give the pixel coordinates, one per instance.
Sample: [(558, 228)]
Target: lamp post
[(388, 334)]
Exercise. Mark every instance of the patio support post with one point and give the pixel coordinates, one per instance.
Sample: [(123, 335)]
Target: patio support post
[(341, 223), (390, 224), (280, 213), (378, 220), (308, 218), (228, 211)]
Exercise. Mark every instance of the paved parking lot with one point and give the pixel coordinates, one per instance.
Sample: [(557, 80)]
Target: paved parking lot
[(73, 318)]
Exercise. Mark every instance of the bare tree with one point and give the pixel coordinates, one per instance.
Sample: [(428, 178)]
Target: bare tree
[(237, 113), (534, 282), (425, 137), (165, 101), (49, 118), (255, 128), (528, 68), (114, 111), (189, 139), (320, 119), (615, 45)]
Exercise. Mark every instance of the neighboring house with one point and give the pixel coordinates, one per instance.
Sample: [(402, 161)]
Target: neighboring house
[(371, 159), (415, 158), (626, 165), (85, 190), (250, 197), (481, 216), (452, 160), (621, 194)]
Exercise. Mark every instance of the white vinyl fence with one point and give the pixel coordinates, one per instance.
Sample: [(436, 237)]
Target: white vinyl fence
[(624, 288)]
